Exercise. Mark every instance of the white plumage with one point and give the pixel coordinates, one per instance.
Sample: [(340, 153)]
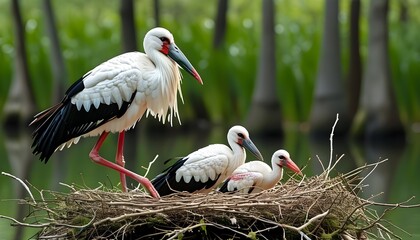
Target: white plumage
[(255, 176), (208, 163), (113, 96), (205, 168)]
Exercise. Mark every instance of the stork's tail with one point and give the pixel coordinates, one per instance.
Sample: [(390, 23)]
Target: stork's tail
[(224, 187), (48, 132)]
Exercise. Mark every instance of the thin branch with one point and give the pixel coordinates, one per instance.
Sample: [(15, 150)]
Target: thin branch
[(293, 228), (60, 236), (393, 205), (42, 225), (304, 235), (337, 161), (25, 224), (68, 186), (139, 186), (320, 161), (176, 232), (21, 182), (358, 170), (387, 231), (150, 165), (331, 148), (367, 175)]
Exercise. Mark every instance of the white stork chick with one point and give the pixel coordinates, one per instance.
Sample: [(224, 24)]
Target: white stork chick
[(112, 97), (204, 169), (256, 176)]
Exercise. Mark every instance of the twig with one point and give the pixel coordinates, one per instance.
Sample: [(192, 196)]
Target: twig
[(68, 186), (21, 182), (59, 236), (380, 226), (309, 208), (176, 232), (147, 171), (337, 161), (25, 224), (367, 175), (150, 165), (293, 228), (304, 235), (320, 161), (331, 148), (42, 225), (358, 170), (393, 205)]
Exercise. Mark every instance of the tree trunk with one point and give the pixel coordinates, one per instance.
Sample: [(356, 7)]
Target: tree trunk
[(264, 116), (128, 26), (220, 28), (329, 97), (18, 111), (20, 103), (156, 11), (378, 116), (56, 56), (59, 81), (403, 11), (355, 69)]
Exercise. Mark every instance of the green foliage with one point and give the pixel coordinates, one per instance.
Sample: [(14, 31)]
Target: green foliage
[(252, 235), (405, 57), (203, 227), (90, 33)]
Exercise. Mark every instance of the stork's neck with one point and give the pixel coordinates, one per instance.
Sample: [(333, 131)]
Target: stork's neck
[(166, 69), (274, 176), (167, 78), (239, 155)]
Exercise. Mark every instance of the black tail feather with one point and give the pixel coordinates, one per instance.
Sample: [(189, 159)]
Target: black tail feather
[(224, 186), (165, 183), (48, 135), (161, 181)]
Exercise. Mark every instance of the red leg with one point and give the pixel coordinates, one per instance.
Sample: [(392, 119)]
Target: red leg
[(119, 159), (94, 155)]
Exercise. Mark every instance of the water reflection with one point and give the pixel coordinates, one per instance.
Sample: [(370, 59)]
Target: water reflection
[(397, 178), (20, 159)]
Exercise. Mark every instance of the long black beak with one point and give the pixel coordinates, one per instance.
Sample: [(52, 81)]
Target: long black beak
[(176, 54), (248, 144)]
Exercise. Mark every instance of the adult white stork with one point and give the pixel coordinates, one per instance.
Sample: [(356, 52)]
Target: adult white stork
[(112, 97), (255, 176), (204, 169)]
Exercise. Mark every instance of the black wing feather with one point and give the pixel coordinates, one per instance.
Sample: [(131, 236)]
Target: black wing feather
[(64, 122), (75, 88), (224, 186), (166, 184)]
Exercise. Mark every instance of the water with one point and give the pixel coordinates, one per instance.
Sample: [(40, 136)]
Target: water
[(394, 181)]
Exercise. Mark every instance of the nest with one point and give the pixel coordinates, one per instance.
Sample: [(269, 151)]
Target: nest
[(319, 207)]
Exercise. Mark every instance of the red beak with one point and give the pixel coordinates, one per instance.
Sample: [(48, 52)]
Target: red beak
[(292, 166)]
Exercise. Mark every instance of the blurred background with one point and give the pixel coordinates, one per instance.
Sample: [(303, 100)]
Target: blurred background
[(283, 69)]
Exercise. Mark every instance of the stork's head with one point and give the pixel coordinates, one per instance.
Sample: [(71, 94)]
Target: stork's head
[(162, 40), (240, 136), (282, 159)]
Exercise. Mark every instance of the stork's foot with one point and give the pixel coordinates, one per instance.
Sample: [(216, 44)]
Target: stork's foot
[(94, 155), (149, 187)]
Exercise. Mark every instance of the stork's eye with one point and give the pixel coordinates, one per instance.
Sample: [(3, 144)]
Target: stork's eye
[(282, 157), (241, 135), (164, 39)]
